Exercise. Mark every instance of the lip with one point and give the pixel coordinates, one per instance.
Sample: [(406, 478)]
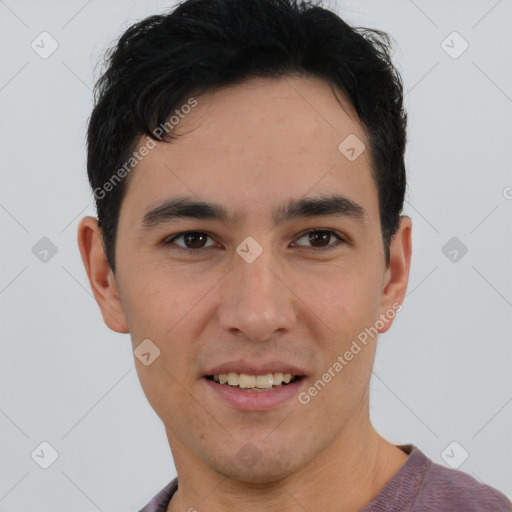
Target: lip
[(255, 400), (253, 368)]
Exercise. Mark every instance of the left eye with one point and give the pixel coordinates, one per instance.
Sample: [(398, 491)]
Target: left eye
[(321, 236), (193, 240)]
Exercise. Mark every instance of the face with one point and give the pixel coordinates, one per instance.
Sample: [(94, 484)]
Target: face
[(263, 289)]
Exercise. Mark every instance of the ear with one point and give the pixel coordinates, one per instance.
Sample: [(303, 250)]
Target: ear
[(397, 274), (101, 278)]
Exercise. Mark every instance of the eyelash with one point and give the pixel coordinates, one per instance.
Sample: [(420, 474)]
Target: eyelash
[(186, 250)]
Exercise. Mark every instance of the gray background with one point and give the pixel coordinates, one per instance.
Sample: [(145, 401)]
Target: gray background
[(443, 372)]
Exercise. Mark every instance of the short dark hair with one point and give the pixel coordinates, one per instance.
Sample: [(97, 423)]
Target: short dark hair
[(202, 45)]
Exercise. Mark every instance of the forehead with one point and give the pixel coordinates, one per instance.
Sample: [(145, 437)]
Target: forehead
[(255, 143)]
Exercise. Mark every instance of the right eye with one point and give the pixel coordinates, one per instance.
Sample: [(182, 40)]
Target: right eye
[(193, 241)]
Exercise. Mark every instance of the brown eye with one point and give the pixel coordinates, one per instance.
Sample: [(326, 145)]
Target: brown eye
[(320, 238), (192, 240)]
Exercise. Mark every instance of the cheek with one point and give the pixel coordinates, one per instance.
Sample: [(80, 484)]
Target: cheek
[(153, 306), (346, 299), (169, 314)]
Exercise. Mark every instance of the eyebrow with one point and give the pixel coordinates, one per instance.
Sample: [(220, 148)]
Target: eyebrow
[(186, 207)]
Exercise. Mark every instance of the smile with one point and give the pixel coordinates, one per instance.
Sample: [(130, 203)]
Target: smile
[(253, 398), (254, 382)]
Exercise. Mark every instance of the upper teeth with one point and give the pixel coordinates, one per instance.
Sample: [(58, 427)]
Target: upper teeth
[(253, 381)]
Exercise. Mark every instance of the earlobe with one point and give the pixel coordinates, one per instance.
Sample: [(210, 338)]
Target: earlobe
[(102, 281), (397, 273)]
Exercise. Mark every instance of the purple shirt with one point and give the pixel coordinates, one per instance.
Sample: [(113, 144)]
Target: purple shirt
[(420, 485)]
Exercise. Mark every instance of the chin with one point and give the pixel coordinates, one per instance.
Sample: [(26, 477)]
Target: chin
[(262, 469)]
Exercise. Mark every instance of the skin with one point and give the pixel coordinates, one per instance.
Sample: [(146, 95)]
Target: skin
[(291, 304)]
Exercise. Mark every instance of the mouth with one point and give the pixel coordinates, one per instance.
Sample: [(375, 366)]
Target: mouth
[(249, 384), (254, 383), (253, 392)]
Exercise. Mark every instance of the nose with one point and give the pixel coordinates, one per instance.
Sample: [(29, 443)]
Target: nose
[(257, 302)]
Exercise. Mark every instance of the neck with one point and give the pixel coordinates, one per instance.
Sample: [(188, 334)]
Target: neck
[(346, 476)]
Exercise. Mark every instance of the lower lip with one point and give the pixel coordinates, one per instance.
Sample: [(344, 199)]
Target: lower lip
[(256, 400)]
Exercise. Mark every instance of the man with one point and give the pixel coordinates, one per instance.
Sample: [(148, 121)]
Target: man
[(247, 160)]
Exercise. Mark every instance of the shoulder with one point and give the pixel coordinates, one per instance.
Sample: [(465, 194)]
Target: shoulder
[(449, 490), (160, 502)]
